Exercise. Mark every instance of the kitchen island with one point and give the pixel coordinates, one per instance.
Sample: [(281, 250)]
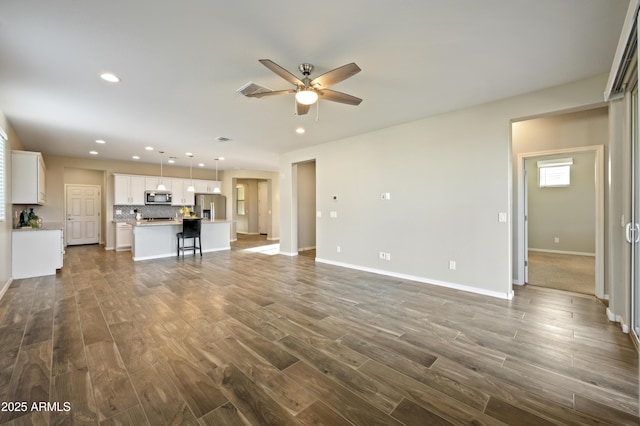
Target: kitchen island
[(156, 239)]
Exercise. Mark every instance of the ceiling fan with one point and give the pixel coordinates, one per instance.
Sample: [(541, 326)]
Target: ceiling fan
[(307, 90)]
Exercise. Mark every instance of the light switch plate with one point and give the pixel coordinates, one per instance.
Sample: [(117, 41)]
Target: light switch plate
[(502, 217), (333, 214)]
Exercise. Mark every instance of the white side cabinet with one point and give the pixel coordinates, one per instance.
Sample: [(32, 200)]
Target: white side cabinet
[(27, 178), (128, 189), (36, 252), (124, 235)]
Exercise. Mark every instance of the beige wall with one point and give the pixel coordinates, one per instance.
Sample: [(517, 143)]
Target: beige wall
[(306, 205), (449, 177), (566, 213)]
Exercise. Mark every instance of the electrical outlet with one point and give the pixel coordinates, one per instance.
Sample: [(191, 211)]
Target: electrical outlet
[(318, 214), (556, 240), (337, 249), (118, 211), (452, 265), (333, 214)]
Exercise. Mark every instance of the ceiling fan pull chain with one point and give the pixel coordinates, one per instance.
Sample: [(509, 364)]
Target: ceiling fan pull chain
[(317, 111)]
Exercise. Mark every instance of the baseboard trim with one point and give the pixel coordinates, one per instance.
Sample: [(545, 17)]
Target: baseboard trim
[(5, 287), (575, 253), (455, 286), (618, 318)]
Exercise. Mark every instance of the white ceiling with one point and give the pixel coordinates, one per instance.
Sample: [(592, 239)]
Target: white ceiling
[(182, 62)]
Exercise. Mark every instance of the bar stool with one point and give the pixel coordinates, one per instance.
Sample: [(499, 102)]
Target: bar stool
[(190, 229)]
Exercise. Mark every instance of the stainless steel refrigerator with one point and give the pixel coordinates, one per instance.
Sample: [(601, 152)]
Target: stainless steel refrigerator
[(211, 206)]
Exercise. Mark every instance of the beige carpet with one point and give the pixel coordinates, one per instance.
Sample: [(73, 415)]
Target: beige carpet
[(562, 271)]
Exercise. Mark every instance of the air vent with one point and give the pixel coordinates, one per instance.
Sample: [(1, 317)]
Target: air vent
[(252, 88), (222, 139)]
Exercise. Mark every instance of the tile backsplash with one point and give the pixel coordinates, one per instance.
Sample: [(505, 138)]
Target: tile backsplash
[(124, 212)]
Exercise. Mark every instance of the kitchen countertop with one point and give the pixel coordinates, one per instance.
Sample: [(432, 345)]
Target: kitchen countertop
[(46, 227), (172, 222)]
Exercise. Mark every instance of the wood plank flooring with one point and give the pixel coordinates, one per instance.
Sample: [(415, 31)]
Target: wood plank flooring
[(238, 338)]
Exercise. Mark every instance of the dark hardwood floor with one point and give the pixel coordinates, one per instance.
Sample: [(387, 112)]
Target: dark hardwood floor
[(237, 338)]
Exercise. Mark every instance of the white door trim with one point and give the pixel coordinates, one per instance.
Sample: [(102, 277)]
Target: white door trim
[(599, 213)]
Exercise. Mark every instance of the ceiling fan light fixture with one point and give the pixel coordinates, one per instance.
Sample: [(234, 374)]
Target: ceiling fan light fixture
[(306, 97)]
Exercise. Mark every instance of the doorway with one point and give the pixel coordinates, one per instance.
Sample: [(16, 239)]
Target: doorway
[(560, 221), (522, 217), (304, 202), (82, 204)]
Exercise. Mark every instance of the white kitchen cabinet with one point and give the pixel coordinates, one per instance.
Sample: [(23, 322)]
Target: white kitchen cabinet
[(36, 252), (128, 190), (124, 235), (180, 195), (207, 186), (151, 183), (27, 178)]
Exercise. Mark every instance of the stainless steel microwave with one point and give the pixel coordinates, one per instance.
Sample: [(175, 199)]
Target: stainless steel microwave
[(157, 197)]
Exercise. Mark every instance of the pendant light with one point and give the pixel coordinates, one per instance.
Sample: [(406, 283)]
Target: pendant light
[(190, 188), (216, 190), (161, 186)]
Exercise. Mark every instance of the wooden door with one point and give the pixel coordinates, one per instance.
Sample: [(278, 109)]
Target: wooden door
[(83, 214)]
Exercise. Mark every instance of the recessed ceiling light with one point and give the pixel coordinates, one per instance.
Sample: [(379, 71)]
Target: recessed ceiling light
[(188, 154), (93, 152), (148, 148), (300, 130), (220, 158), (201, 165), (135, 157), (101, 141), (110, 77), (171, 160)]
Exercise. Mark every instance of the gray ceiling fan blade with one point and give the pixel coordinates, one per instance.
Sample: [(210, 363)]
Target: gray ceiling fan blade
[(302, 109), (281, 72), (271, 93), (335, 76), (343, 98)]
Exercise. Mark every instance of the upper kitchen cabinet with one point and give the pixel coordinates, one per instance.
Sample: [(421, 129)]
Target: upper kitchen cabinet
[(128, 190), (27, 178), (207, 186), (182, 197)]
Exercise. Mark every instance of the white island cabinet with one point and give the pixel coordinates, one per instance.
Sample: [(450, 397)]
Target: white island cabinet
[(155, 239), (27, 178), (36, 252)]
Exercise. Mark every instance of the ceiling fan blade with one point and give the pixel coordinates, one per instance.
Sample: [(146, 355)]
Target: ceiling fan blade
[(281, 72), (302, 109), (270, 93), (335, 76), (343, 98)]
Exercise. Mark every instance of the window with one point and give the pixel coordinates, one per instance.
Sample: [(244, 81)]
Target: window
[(240, 199), (554, 173), (3, 181)]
